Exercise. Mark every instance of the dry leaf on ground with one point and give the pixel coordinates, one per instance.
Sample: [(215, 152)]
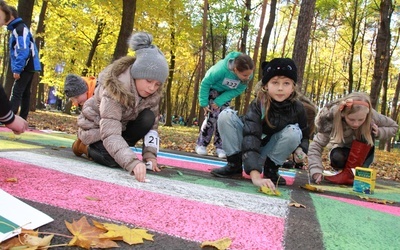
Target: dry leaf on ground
[(295, 204), (128, 235), (268, 191), (220, 244), (312, 188), (87, 236)]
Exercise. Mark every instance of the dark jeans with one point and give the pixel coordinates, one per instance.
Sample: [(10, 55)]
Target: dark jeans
[(21, 94), (135, 130), (338, 158)]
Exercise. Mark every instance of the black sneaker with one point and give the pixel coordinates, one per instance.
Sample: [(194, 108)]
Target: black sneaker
[(231, 169)]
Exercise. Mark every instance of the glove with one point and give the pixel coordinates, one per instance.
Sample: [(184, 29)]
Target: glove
[(299, 155)]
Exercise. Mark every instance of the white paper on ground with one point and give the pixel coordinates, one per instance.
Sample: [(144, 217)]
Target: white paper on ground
[(19, 213)]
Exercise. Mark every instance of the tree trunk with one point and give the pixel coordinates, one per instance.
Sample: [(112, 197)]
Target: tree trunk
[(382, 50), (292, 13), (267, 35), (127, 22), (37, 97), (395, 104), (96, 41), (302, 37), (168, 95), (255, 56), (195, 75), (202, 68), (243, 42)]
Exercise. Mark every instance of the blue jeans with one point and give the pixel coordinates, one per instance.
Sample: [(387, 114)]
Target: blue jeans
[(279, 147)]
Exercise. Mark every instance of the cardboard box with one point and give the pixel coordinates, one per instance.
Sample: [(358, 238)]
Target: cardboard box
[(364, 180)]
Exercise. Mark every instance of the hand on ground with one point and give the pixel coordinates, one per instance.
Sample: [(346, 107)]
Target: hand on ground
[(317, 178), (264, 183), (140, 172), (18, 126)]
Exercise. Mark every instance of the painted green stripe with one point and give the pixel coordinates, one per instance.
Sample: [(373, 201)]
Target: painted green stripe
[(347, 226)]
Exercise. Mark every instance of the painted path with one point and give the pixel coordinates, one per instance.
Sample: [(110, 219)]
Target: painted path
[(184, 206)]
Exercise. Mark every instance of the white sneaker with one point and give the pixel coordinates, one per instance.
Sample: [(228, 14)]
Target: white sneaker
[(201, 150), (221, 153)]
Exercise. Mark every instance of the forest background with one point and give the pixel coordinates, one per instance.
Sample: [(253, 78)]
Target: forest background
[(338, 46)]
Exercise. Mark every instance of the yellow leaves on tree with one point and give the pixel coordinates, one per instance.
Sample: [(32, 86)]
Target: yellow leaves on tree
[(220, 244)]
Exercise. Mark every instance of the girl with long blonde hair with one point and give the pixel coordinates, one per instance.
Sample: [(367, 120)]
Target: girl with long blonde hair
[(348, 126)]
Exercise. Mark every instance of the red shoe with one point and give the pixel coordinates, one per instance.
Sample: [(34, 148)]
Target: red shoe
[(346, 177)]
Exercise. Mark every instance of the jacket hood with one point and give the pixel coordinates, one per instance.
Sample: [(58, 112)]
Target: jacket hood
[(114, 86)]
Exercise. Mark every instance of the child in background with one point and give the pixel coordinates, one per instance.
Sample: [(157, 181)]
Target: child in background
[(224, 81), (274, 127), (348, 127), (79, 89), (125, 109)]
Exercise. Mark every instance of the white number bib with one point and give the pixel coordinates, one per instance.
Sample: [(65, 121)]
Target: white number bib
[(231, 83), (151, 139)]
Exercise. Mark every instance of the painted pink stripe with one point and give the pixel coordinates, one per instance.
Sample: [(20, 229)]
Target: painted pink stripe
[(171, 215), (374, 206)]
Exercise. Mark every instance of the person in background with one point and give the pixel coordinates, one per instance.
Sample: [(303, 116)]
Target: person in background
[(24, 59), (223, 82), (348, 127), (14, 122), (124, 110), (274, 127), (79, 89)]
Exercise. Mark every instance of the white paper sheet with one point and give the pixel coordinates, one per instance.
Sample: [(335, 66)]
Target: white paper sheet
[(19, 213)]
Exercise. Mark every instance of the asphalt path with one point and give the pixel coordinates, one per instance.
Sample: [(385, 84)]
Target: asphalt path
[(183, 205)]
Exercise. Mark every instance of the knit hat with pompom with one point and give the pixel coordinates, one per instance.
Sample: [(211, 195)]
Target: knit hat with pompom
[(150, 62)]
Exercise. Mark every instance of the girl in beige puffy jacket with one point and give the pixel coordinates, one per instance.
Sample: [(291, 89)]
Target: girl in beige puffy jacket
[(124, 110), (348, 126)]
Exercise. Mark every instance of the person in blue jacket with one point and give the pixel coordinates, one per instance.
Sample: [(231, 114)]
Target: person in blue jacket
[(224, 81), (23, 56)]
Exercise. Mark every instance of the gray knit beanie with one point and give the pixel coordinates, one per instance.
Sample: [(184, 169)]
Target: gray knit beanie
[(74, 86), (150, 62)]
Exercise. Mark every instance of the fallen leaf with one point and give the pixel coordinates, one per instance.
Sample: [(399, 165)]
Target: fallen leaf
[(13, 179), (35, 241), (312, 188), (16, 243), (268, 191), (92, 198), (129, 235), (295, 204), (87, 236), (220, 244), (375, 200)]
